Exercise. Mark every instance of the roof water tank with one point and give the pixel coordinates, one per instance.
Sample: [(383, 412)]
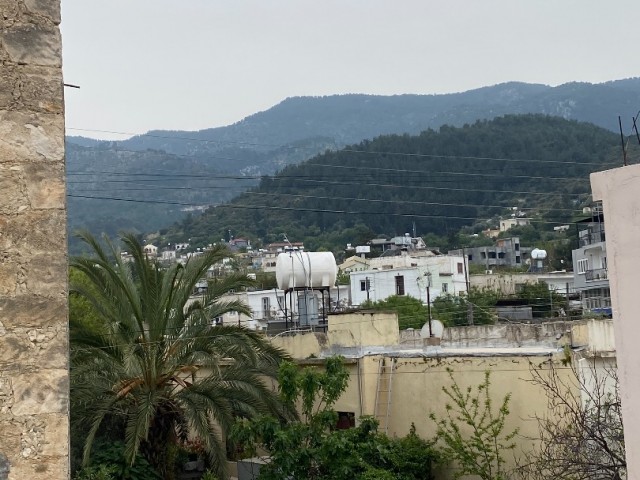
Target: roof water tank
[(306, 269)]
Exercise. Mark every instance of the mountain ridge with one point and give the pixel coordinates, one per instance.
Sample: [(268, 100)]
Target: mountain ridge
[(292, 131)]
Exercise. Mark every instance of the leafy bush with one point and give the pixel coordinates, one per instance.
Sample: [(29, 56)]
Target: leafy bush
[(411, 311), (111, 455)]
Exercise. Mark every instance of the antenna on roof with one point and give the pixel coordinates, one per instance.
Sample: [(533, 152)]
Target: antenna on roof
[(624, 147)]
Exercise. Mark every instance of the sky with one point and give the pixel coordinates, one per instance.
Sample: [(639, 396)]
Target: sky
[(194, 64)]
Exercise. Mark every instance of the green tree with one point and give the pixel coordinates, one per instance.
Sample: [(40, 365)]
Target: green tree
[(311, 447), (159, 368), (411, 311), (473, 433), (455, 309)]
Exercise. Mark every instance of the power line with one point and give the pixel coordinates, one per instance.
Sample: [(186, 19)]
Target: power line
[(347, 150), (318, 197), (296, 209)]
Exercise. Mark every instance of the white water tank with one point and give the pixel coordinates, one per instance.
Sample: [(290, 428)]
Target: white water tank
[(299, 269)]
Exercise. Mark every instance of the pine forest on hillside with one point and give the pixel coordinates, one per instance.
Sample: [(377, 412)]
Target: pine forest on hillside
[(439, 181)]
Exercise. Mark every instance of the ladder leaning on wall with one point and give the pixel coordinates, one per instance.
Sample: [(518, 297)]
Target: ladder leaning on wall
[(386, 367)]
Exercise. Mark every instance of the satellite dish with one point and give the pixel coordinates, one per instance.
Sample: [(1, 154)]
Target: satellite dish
[(437, 328)]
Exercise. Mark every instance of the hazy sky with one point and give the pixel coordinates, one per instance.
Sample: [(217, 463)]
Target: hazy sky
[(194, 64)]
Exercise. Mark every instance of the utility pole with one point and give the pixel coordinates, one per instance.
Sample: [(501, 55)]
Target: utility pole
[(428, 275)]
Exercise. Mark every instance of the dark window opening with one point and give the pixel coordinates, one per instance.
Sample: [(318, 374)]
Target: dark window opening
[(346, 420), (399, 285)]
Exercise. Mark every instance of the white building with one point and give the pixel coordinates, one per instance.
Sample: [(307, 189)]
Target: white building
[(273, 306), (406, 275)]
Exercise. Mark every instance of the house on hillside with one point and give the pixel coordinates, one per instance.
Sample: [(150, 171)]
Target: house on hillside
[(509, 223), (408, 275), (506, 252), (405, 242), (590, 263), (354, 264)]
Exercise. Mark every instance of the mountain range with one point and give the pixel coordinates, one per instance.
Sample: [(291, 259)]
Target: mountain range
[(149, 181)]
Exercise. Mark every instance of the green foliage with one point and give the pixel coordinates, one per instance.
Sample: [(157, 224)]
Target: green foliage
[(157, 369), (383, 201), (473, 433), (543, 301), (454, 309), (109, 463), (411, 312), (100, 472), (209, 475), (81, 311), (312, 447)]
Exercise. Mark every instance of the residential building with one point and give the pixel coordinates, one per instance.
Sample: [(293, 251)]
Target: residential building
[(150, 250), (405, 242), (273, 306), (408, 275), (617, 189), (236, 244), (509, 223), (354, 264), (397, 376), (561, 282), (506, 252), (590, 263)]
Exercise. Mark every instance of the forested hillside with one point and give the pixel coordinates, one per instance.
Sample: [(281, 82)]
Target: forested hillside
[(440, 180), (149, 181)]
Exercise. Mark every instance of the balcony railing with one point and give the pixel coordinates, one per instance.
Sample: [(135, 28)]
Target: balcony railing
[(591, 238), (594, 275)]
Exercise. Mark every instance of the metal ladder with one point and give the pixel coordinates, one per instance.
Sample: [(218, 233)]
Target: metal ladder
[(382, 410)]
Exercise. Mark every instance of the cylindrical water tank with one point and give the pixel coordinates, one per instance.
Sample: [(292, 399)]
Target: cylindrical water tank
[(299, 269), (538, 254)]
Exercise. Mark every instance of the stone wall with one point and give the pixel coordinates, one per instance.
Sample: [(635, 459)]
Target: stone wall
[(34, 387)]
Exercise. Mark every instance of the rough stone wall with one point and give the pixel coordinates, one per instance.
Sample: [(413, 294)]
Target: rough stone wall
[(34, 398)]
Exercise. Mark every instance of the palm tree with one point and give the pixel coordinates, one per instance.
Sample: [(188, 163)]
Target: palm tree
[(158, 365)]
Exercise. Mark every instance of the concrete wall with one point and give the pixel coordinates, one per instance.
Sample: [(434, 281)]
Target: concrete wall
[(508, 283), (618, 189), (363, 329), (33, 262)]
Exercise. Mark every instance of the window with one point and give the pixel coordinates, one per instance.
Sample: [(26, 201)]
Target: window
[(365, 285), (460, 267), (470, 257), (483, 255), (517, 247), (517, 258), (346, 420), (399, 285), (583, 265), (266, 305), (445, 288)]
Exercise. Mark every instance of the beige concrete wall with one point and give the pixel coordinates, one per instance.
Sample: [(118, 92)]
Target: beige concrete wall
[(33, 262), (363, 328), (302, 345), (597, 335), (417, 391), (619, 191)]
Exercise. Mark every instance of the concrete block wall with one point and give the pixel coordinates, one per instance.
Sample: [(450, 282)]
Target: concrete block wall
[(34, 386)]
